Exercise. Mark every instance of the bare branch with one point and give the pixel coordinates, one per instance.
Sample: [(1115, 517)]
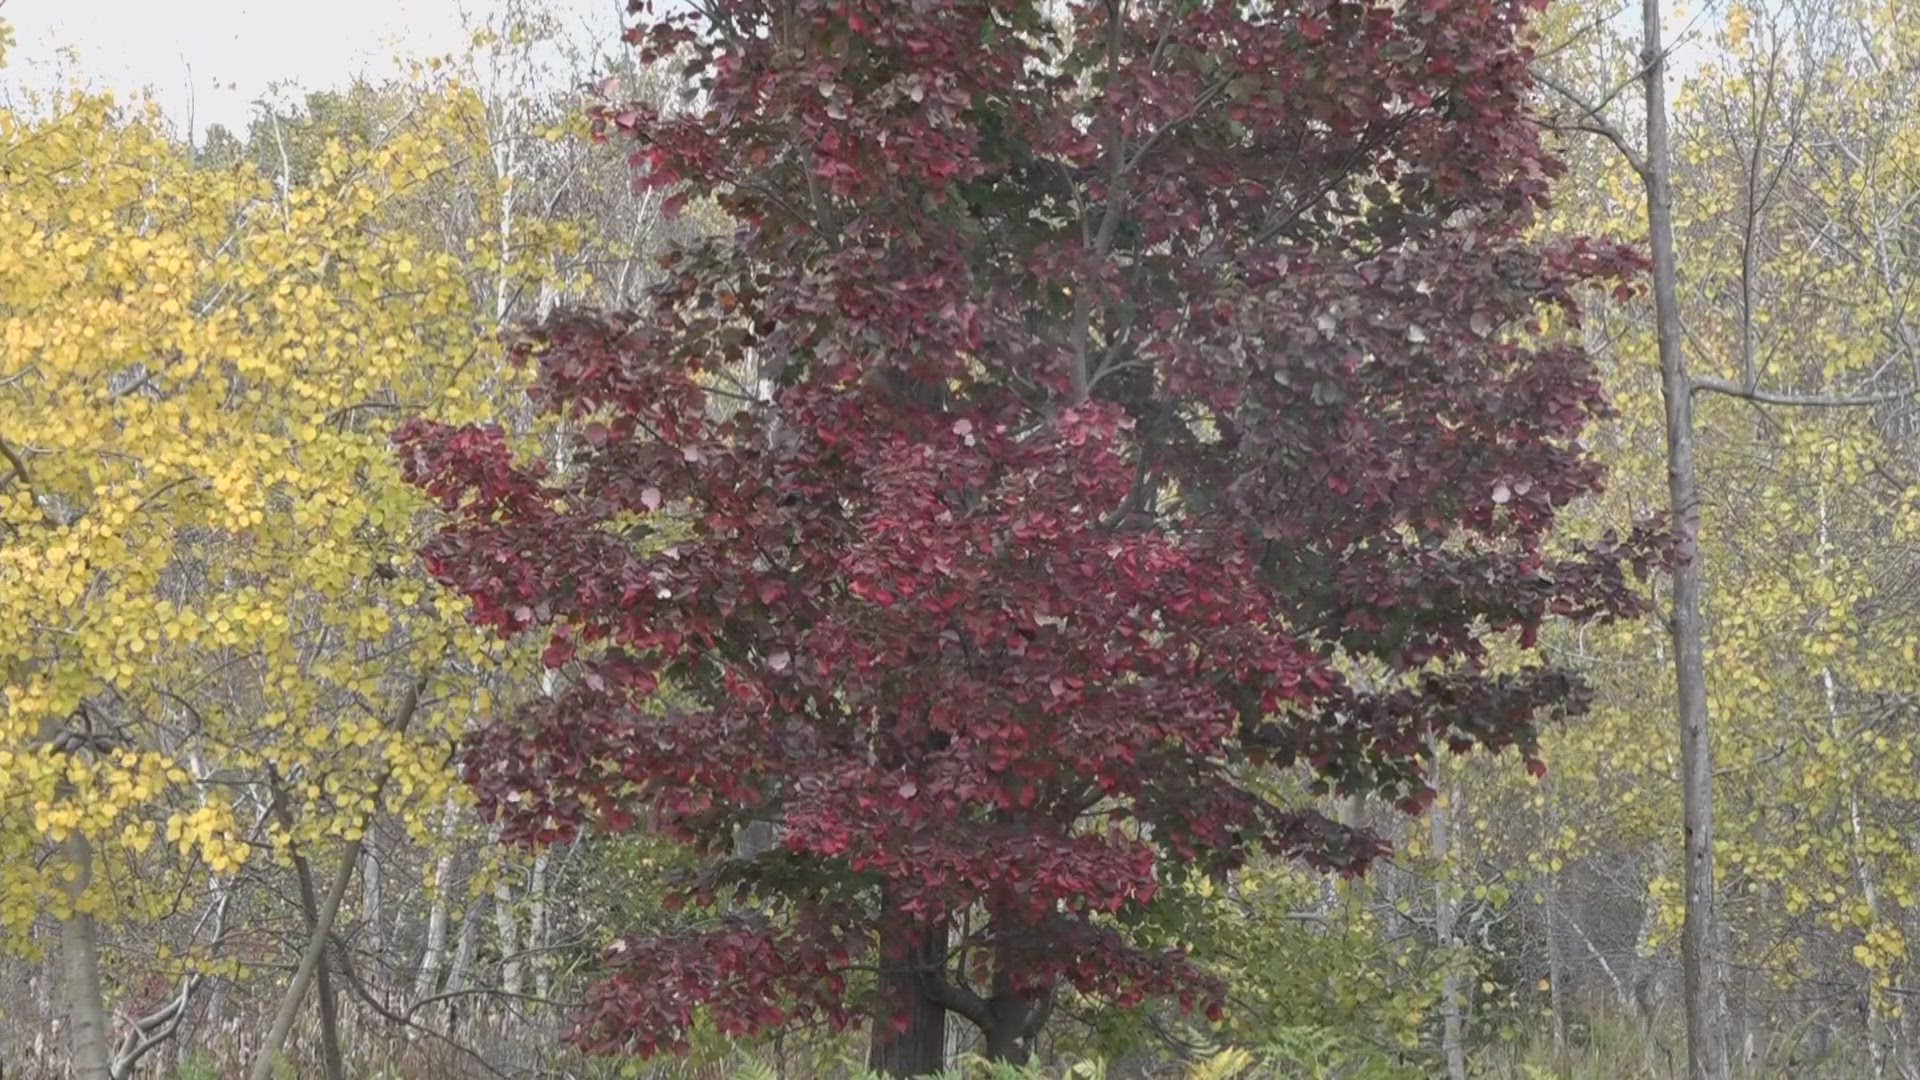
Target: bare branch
[(149, 1031), (1590, 121), (1797, 401), (19, 467)]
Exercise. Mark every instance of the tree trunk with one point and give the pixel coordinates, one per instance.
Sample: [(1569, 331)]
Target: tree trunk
[(909, 1035), (315, 953), (507, 926), (427, 979), (1453, 1034), (1007, 1041), (331, 1059), (373, 906), (460, 974), (1706, 1007), (1015, 1015), (1013, 1024), (537, 925), (311, 962), (1556, 968), (80, 956), (1883, 1032)]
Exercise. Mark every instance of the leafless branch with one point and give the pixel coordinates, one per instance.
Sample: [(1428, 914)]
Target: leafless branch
[(1798, 401), (1590, 121)]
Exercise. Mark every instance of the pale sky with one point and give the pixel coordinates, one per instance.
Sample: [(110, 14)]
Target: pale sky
[(209, 60)]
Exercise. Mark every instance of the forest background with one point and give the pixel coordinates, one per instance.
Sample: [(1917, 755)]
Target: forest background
[(222, 584)]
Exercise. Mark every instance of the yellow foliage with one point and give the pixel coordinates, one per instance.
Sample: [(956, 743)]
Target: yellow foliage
[(1809, 513), (1225, 1065), (207, 587)]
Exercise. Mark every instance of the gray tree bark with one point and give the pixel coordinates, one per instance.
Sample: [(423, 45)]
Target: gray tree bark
[(316, 947), (460, 974), (311, 960), (373, 906), (427, 980), (1446, 917), (80, 959), (507, 926), (428, 977), (537, 925), (1556, 968), (1701, 964), (332, 1061)]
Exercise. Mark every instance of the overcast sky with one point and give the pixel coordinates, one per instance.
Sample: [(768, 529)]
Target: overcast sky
[(207, 61), (210, 59)]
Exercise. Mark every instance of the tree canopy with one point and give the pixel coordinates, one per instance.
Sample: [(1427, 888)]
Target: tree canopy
[(1134, 403)]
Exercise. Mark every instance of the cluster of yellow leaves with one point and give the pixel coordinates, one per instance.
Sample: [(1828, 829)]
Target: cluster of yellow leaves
[(206, 582), (124, 779), (210, 832)]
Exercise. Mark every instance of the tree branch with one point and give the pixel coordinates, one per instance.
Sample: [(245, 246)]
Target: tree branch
[(1200, 102), (469, 991), (361, 991), (151, 1030), (19, 466), (955, 997), (1591, 122), (322, 931), (1797, 401)]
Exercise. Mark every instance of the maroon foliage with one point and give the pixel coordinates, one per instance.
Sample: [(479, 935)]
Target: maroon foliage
[(1123, 386)]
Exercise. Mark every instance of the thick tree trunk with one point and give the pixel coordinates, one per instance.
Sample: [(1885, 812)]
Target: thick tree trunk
[(1007, 1042), (1013, 1023), (1706, 1005), (332, 1060), (909, 1035), (460, 974), (427, 979), (1015, 1014), (80, 959), (1550, 922), (1884, 1033)]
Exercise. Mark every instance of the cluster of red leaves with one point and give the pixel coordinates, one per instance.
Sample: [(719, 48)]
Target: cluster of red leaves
[(746, 975), (1116, 379)]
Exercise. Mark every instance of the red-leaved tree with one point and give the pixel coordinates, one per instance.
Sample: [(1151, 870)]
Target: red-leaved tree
[(1145, 400)]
